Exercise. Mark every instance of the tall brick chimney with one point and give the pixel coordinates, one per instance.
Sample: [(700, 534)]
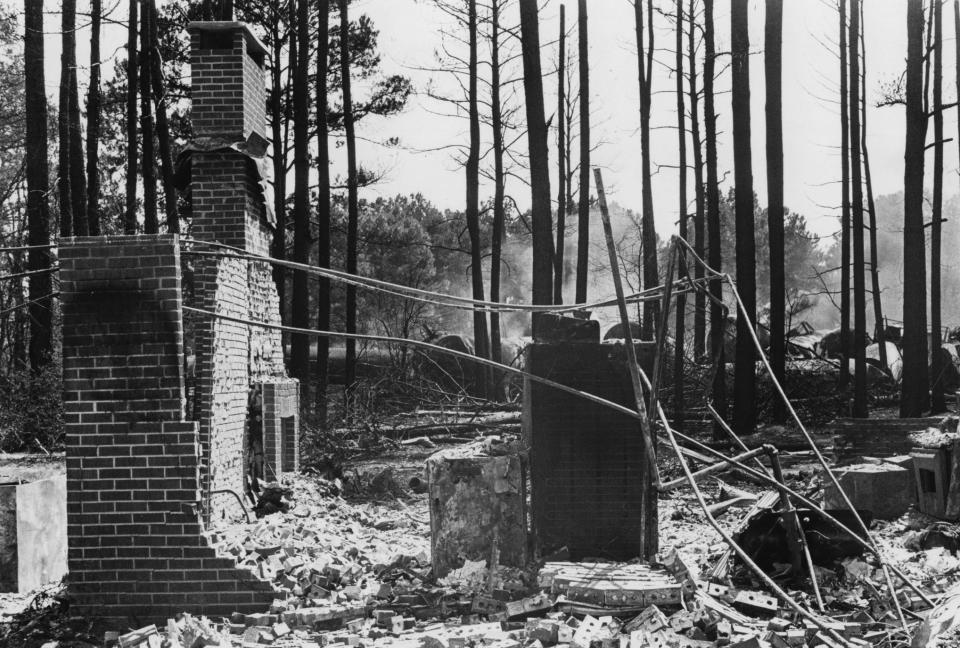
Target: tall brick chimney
[(247, 407)]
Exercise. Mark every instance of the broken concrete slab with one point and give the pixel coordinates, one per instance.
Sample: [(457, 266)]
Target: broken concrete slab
[(882, 489), (33, 533)]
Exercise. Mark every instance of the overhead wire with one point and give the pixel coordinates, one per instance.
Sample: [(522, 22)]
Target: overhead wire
[(420, 294)]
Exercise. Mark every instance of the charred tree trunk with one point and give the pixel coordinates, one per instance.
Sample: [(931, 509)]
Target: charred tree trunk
[(300, 344), (718, 312), (93, 123), (699, 224), (583, 208), (170, 206), (648, 258), (937, 403), (323, 212), (678, 347), (499, 211), (915, 386), (744, 380), (133, 67), (63, 132), (38, 214), (772, 59), (480, 332), (859, 283), (879, 331), (353, 207), (78, 180), (562, 151), (278, 249), (539, 158), (844, 377), (150, 223)]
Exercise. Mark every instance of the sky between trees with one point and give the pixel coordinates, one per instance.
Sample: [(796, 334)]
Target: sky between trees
[(410, 34)]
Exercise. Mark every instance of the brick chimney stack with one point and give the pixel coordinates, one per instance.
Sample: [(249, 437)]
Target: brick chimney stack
[(236, 364), (227, 76)]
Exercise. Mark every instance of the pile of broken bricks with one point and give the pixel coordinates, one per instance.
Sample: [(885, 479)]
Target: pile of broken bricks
[(572, 605)]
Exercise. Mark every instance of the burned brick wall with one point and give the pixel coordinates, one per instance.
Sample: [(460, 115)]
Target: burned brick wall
[(587, 462), (136, 544)]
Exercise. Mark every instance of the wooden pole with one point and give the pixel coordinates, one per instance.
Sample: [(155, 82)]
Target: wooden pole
[(634, 366)]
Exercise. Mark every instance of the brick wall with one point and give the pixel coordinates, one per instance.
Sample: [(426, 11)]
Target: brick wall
[(587, 462), (281, 419), (136, 544)]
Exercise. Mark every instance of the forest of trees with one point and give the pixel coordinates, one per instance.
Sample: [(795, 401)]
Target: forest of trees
[(98, 159)]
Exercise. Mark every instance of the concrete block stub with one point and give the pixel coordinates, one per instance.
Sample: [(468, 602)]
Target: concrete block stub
[(884, 489)]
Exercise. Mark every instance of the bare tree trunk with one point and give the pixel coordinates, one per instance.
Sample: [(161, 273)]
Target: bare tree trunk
[(859, 283), (93, 123), (278, 248), (539, 158), (323, 211), (583, 208), (678, 347), (914, 387), (772, 58), (163, 128), (648, 259), (300, 344), (499, 212), (133, 67), (744, 378), (38, 214), (938, 405), (844, 376), (353, 207), (718, 312), (150, 223), (480, 333), (63, 131), (699, 224), (78, 181), (879, 331), (561, 160)]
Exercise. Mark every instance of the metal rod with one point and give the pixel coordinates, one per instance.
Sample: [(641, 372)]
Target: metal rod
[(720, 466), (769, 582)]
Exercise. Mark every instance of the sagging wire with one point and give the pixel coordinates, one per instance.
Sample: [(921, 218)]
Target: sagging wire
[(28, 273), (28, 303), (419, 294)]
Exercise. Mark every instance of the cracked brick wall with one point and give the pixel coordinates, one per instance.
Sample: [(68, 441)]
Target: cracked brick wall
[(229, 208)]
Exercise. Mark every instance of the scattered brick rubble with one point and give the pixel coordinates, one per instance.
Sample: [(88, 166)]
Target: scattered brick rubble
[(357, 574)]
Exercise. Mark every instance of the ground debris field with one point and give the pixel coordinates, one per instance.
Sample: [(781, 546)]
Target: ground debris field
[(350, 560)]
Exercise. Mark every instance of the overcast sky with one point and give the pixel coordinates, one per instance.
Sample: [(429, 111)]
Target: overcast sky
[(410, 32)]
